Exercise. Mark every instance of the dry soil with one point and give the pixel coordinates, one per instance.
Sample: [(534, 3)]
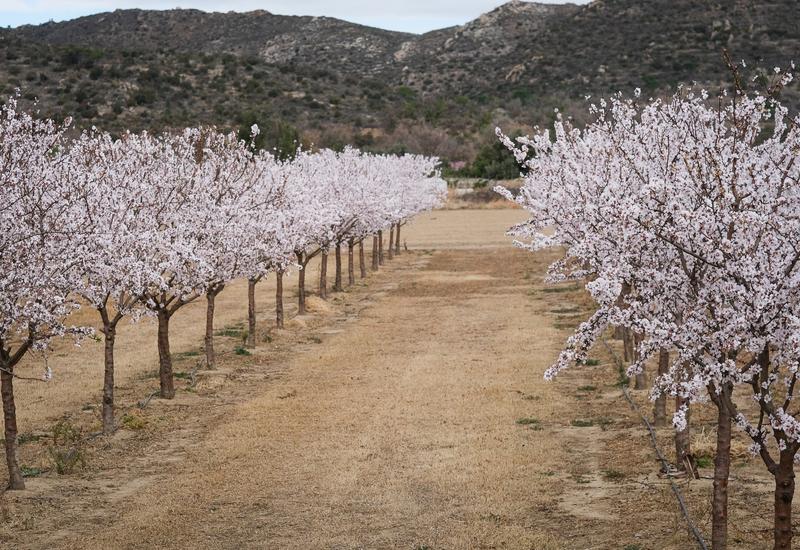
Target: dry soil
[(407, 412)]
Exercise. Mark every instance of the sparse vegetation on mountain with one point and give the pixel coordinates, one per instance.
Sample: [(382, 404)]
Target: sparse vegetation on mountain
[(337, 82)]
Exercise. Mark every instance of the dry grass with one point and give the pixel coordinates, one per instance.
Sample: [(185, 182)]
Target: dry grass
[(484, 199), (315, 304), (79, 370), (389, 418), (704, 444), (461, 229)]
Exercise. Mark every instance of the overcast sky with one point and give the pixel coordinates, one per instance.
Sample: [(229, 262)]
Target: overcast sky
[(404, 15)]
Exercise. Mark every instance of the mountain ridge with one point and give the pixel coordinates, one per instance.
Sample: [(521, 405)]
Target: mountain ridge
[(341, 82)]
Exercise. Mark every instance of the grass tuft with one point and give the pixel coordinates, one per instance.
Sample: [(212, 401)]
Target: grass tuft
[(580, 423), (528, 421), (565, 310), (559, 289), (31, 471), (27, 438), (133, 422), (704, 461), (613, 475)]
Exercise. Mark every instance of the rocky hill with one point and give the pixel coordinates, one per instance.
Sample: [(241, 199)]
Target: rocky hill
[(277, 39), (338, 82)]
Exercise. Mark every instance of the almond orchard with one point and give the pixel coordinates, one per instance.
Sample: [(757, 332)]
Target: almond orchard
[(142, 225)]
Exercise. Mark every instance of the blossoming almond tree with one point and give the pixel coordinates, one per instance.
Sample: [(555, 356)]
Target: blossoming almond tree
[(176, 177), (226, 220), (687, 203), (306, 217), (115, 273), (243, 226), (42, 248)]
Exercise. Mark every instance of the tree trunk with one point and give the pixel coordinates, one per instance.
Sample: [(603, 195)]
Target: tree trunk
[(375, 262), (323, 275), (15, 480), (279, 299), (640, 380), (211, 296), (390, 249), (660, 406), (362, 264), (380, 247), (337, 284), (351, 275), (251, 312), (164, 357), (627, 348), (722, 467), (110, 334), (784, 493), (684, 459), (301, 283), (397, 240)]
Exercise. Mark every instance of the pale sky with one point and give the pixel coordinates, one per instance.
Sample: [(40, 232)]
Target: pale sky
[(403, 15)]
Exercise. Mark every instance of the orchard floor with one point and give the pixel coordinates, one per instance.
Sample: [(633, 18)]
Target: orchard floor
[(407, 412)]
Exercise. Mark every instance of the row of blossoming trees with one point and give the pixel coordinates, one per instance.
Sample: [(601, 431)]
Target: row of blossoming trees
[(144, 224), (683, 216)]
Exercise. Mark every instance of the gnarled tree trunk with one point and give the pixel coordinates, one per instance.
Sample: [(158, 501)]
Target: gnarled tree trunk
[(640, 380), (337, 283), (351, 275), (660, 406), (211, 296), (722, 468), (627, 345), (110, 335), (15, 480), (784, 493), (164, 358), (323, 275), (397, 240), (380, 246), (251, 312), (301, 283), (390, 249), (109, 338), (362, 264), (279, 299), (375, 262)]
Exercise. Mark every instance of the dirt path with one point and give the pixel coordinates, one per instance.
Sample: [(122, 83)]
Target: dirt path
[(408, 413)]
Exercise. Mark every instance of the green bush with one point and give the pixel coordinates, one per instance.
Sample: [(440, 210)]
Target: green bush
[(493, 161), (142, 96), (66, 451)]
